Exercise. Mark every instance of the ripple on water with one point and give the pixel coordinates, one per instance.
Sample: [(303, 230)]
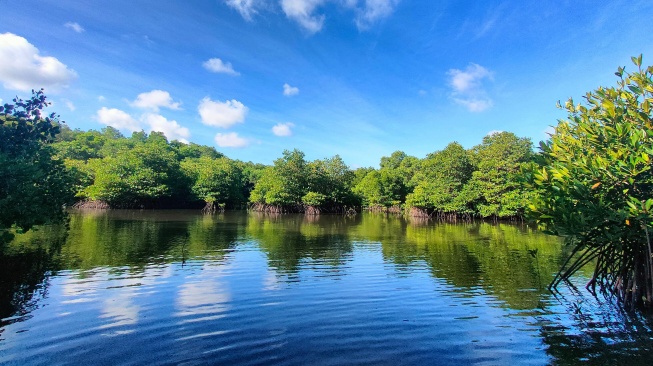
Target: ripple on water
[(284, 296)]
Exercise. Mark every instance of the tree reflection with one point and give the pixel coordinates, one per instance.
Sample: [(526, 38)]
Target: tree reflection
[(25, 265), (291, 239)]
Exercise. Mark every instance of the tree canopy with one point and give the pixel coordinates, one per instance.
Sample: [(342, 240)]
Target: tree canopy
[(595, 184), (34, 186), (145, 170)]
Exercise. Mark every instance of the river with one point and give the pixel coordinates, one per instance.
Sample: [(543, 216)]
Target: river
[(178, 287)]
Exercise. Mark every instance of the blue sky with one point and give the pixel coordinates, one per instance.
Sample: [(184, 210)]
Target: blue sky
[(358, 78)]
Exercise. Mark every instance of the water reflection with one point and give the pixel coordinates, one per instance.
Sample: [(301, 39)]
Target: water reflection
[(290, 240), (244, 288), (24, 263)]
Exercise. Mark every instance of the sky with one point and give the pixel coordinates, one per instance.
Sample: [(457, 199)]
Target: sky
[(357, 78)]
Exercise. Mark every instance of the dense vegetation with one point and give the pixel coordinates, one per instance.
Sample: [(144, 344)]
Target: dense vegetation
[(148, 171), (44, 162), (595, 186), (34, 184), (293, 184)]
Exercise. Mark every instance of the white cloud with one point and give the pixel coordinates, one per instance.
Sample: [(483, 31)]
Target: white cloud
[(101, 98), (470, 79), (373, 11), (74, 26), (23, 68), (494, 132), (283, 129), (155, 122), (304, 12), (222, 114), (290, 90), (467, 87), (301, 11), (230, 139), (218, 66), (246, 8), (170, 128), (154, 100), (116, 118)]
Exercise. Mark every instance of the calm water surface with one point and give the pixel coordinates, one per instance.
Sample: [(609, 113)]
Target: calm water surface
[(177, 287)]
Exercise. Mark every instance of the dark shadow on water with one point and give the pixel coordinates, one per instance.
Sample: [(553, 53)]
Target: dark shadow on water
[(26, 262)]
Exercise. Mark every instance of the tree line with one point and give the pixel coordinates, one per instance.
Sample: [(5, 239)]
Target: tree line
[(144, 170), (47, 162)]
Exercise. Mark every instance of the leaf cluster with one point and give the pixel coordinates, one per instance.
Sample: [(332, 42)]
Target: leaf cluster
[(34, 185)]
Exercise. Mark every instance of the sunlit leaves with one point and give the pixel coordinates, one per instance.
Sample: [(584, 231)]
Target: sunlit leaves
[(34, 185), (594, 177)]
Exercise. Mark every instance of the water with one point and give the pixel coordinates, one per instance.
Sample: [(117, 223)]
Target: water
[(177, 287)]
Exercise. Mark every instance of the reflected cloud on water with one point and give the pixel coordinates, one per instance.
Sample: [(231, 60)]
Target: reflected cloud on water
[(221, 281)]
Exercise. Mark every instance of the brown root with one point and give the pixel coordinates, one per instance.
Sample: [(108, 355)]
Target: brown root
[(92, 204)]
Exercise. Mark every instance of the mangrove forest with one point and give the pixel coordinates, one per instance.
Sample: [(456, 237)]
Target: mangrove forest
[(590, 183)]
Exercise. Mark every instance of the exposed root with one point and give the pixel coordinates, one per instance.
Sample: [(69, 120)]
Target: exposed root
[(622, 270), (90, 204), (305, 209), (212, 207)]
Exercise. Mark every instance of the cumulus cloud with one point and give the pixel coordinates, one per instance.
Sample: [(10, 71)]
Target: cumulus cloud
[(116, 118), (230, 139), (246, 8), (74, 26), (221, 114), (170, 128), (149, 121), (154, 100), (494, 132), (290, 90), (467, 87), (218, 66), (301, 11), (282, 129), (23, 68)]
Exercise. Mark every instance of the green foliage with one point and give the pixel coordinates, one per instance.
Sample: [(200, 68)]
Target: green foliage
[(372, 191), (80, 145), (390, 185), (495, 188), (285, 183), (314, 199), (215, 180), (595, 182), (440, 180), (359, 174), (292, 183), (195, 151), (34, 185), (140, 176), (332, 178)]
